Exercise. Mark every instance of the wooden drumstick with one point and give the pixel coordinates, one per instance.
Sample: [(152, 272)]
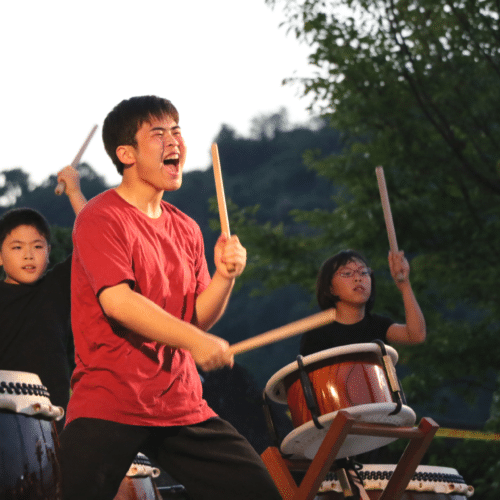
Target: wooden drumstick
[(219, 187), (61, 185), (389, 223), (221, 198), (284, 332)]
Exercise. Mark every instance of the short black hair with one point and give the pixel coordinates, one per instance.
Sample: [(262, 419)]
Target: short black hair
[(326, 299), (125, 119), (16, 217)]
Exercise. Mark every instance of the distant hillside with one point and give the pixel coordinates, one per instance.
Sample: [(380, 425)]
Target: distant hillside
[(266, 171)]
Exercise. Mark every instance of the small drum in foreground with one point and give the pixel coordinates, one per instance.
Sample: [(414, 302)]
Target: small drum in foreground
[(29, 446), (138, 483), (351, 378), (428, 483)]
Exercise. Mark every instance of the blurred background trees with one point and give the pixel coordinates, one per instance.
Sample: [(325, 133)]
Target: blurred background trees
[(407, 85)]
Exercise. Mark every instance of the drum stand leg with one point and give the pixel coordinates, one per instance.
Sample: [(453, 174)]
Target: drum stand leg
[(410, 460), (348, 479), (344, 482), (343, 425)]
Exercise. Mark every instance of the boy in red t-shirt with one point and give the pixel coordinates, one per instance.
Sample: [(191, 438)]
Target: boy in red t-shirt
[(142, 302)]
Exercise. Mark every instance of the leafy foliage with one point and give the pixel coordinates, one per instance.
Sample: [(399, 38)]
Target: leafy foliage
[(17, 190), (412, 86)]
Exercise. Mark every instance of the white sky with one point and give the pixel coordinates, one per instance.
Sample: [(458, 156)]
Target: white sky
[(65, 64)]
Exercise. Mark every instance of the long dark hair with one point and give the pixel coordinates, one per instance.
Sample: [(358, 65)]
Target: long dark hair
[(326, 299)]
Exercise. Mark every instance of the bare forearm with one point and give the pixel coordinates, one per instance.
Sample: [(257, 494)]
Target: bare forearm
[(70, 178), (140, 315), (212, 302), (77, 200), (415, 321)]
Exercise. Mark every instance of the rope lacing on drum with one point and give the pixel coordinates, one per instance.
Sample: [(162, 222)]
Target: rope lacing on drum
[(348, 464), (142, 460), (23, 389), (392, 377), (343, 468), (271, 427), (309, 395), (385, 475)]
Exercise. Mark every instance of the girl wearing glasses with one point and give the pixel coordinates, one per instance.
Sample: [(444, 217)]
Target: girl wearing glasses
[(346, 283)]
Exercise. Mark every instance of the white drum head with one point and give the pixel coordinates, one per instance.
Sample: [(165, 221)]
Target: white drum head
[(275, 387), (23, 392), (142, 467), (304, 441)]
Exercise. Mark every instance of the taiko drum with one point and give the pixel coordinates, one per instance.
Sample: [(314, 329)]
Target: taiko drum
[(341, 378), (428, 483), (340, 382), (350, 378), (29, 446), (138, 483)]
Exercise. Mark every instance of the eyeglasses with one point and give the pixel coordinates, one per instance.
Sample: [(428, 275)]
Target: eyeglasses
[(363, 272)]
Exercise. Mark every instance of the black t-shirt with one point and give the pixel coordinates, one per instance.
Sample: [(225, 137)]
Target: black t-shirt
[(35, 330), (371, 327)]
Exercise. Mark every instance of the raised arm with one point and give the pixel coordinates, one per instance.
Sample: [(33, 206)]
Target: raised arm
[(71, 179), (230, 260), (414, 331), (140, 315)]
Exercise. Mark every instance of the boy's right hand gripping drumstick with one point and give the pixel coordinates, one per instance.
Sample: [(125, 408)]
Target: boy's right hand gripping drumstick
[(389, 224), (284, 332), (61, 186)]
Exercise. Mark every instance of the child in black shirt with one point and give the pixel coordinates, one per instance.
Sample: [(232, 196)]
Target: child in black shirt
[(35, 304)]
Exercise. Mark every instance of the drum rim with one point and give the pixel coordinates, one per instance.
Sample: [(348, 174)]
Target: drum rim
[(15, 376), (275, 388), (421, 468), (141, 466), (26, 395), (434, 480), (406, 417)]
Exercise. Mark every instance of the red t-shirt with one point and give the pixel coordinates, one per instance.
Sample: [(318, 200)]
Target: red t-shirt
[(120, 375)]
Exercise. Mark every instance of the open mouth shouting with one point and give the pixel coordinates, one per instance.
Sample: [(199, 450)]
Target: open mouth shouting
[(172, 162)]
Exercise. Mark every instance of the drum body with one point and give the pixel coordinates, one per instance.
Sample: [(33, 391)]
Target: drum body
[(29, 447), (138, 483), (339, 382), (350, 378), (428, 483)]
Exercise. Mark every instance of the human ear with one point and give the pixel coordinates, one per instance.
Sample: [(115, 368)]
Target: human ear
[(126, 154)]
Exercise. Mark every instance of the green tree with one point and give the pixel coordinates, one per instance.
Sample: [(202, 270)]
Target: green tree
[(412, 87)]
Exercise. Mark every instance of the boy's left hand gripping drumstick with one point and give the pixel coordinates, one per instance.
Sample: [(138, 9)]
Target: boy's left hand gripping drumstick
[(61, 186)]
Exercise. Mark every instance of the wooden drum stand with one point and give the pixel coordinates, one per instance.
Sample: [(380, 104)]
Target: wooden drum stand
[(342, 425)]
